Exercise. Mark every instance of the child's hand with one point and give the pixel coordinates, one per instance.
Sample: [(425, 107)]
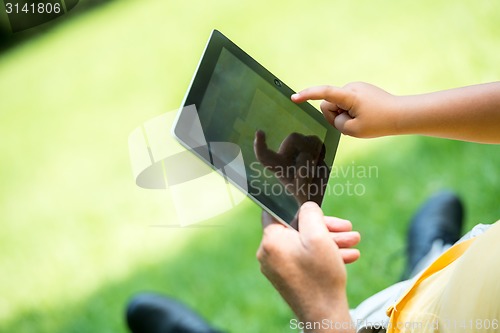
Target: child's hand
[(358, 109)]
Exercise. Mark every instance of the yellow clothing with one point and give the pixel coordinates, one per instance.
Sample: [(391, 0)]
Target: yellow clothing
[(459, 292)]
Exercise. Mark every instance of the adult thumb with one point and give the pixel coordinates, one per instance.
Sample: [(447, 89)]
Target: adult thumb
[(311, 222)]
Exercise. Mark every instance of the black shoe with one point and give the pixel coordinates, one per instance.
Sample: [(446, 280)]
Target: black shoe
[(152, 313), (440, 217)]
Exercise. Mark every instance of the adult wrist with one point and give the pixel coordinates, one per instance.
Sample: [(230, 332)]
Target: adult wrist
[(329, 316)]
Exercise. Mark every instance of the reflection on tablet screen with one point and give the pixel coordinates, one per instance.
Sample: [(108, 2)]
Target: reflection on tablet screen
[(282, 146)]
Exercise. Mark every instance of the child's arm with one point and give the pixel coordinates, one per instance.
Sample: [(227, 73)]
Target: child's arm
[(362, 110)]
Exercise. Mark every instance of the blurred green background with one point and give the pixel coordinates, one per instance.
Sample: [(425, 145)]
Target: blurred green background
[(76, 239)]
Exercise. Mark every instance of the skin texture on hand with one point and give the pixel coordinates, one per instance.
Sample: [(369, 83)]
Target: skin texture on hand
[(307, 267), (363, 110), (357, 109)]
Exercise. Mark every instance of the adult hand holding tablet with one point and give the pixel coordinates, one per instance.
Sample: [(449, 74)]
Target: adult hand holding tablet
[(287, 148)]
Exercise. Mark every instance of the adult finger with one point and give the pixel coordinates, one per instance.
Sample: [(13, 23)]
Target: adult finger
[(336, 224), (346, 239), (349, 255)]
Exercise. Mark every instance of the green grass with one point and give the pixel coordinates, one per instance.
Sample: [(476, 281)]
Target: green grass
[(76, 240)]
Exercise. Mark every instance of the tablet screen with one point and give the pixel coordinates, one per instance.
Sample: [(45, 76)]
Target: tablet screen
[(286, 161)]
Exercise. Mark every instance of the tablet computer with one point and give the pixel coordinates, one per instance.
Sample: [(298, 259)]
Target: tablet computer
[(237, 110)]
